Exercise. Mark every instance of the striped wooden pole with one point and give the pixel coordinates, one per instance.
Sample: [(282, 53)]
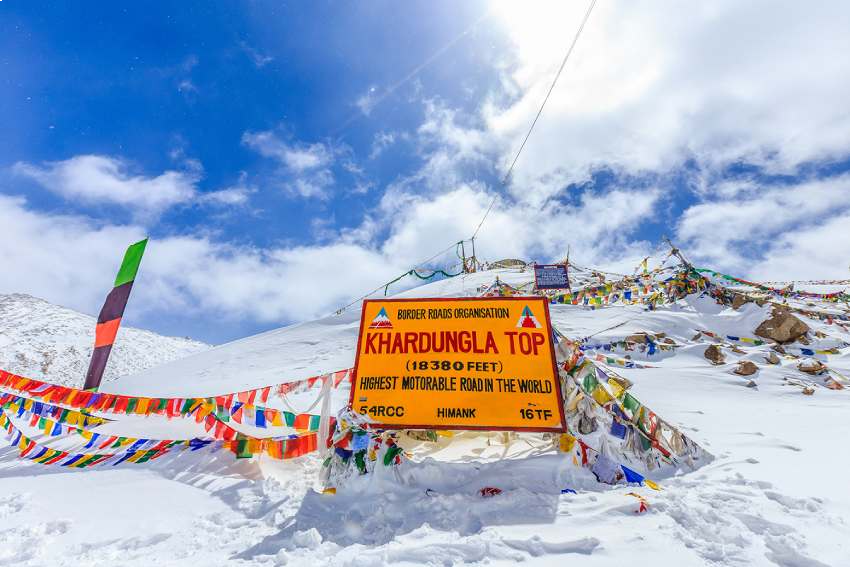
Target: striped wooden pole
[(110, 314)]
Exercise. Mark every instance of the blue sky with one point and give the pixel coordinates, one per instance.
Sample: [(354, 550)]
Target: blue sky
[(287, 157)]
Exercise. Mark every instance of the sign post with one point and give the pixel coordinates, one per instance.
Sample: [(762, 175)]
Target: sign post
[(470, 363), (551, 276)]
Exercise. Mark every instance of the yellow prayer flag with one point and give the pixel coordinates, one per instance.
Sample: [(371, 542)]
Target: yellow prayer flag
[(601, 395), (566, 442), (651, 484), (142, 406), (616, 389)]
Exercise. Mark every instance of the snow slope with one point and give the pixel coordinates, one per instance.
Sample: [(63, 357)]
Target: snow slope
[(52, 343), (774, 495)]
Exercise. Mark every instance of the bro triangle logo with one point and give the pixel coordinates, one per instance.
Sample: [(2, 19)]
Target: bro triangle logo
[(527, 320), (381, 320)]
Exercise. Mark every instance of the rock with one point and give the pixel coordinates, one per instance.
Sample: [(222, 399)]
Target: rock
[(811, 366), (746, 368), (808, 390), (669, 341), (714, 354), (803, 340), (772, 358), (752, 384), (739, 301), (586, 425), (696, 337), (778, 349), (737, 350), (782, 327), (660, 336), (636, 338)]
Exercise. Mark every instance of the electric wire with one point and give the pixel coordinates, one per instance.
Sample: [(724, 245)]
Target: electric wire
[(539, 112)]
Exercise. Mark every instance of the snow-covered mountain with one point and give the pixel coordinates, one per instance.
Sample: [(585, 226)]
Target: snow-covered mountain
[(767, 498), (49, 342)]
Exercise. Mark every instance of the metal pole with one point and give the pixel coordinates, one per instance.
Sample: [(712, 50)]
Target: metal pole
[(463, 251)]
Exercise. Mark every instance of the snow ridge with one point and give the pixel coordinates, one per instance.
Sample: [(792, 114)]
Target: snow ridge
[(52, 343)]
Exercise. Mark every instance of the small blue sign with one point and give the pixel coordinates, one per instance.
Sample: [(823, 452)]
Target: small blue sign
[(551, 276)]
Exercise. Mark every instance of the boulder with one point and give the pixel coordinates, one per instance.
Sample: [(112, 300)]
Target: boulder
[(772, 358), (714, 354), (739, 301), (782, 327), (811, 366), (636, 338), (746, 368)]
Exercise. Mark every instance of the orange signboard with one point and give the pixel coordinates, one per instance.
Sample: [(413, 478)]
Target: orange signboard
[(467, 363)]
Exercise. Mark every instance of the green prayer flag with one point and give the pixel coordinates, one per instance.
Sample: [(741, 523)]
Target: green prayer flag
[(390, 455), (630, 403), (589, 383), (242, 451), (146, 457), (130, 265)]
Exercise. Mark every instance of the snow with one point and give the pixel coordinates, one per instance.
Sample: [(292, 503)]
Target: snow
[(775, 493), (52, 343)]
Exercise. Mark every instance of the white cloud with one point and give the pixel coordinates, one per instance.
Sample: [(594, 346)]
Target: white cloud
[(736, 230), (651, 85), (95, 179), (366, 102), (258, 58), (63, 258), (71, 260), (186, 87), (238, 195), (306, 167), (381, 142), (233, 196), (820, 251)]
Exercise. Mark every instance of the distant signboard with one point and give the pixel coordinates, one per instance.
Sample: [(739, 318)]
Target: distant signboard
[(551, 276), (471, 363)]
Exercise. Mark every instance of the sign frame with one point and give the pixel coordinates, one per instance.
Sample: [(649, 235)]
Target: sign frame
[(547, 288), (460, 427)]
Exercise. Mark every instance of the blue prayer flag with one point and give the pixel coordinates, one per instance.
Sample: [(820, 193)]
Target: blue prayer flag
[(631, 476)]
